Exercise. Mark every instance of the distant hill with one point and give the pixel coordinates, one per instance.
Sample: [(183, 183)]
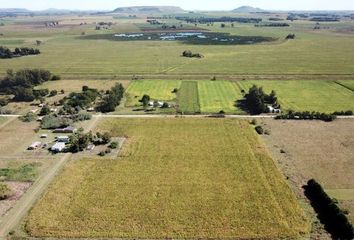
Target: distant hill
[(13, 10), (149, 9), (247, 9)]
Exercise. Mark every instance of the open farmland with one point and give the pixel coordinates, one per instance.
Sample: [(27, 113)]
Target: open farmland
[(322, 96), (65, 52), (206, 178), (157, 90), (318, 150), (348, 84), (188, 99)]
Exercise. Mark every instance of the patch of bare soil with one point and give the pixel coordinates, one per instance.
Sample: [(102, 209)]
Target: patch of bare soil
[(18, 189)]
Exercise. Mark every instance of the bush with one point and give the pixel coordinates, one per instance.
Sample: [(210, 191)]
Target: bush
[(108, 151), (56, 78), (259, 130), (28, 117), (3, 102), (53, 93), (188, 53), (102, 154), (5, 191), (335, 221), (113, 145)]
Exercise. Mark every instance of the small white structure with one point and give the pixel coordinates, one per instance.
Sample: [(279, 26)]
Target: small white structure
[(271, 109), (91, 109), (39, 119), (33, 110), (53, 110), (58, 147), (90, 147), (34, 146), (63, 139)]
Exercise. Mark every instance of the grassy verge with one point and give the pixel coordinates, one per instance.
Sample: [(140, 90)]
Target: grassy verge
[(188, 98)]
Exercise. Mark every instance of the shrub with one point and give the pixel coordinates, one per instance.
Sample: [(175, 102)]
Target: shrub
[(28, 117), (56, 78), (113, 145), (108, 151), (3, 102), (5, 191), (254, 121), (259, 130), (102, 153), (291, 115), (53, 93)]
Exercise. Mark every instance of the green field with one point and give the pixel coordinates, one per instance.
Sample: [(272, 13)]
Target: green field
[(188, 99), (175, 178), (157, 90), (219, 95), (348, 84), (322, 96)]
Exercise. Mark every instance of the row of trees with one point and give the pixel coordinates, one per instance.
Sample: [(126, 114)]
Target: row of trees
[(273, 25), (21, 84), (209, 20), (334, 219), (112, 99), (19, 52), (257, 101), (292, 115)]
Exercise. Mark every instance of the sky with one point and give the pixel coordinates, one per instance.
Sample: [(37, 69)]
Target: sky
[(185, 4)]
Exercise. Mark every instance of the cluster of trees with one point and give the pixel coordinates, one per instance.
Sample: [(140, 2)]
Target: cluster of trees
[(83, 99), (21, 84), (273, 25), (257, 101), (334, 219), (80, 141), (292, 115), (19, 52), (190, 54), (209, 20), (112, 99)]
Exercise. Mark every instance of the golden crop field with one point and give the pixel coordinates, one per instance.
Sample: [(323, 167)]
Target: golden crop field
[(175, 178)]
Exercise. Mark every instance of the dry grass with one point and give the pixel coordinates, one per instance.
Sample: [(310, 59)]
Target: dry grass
[(319, 150), (176, 178)]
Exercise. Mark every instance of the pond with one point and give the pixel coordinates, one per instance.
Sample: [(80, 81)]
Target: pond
[(203, 38)]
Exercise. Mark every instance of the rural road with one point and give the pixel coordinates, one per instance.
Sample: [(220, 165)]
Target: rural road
[(181, 116), (19, 211)]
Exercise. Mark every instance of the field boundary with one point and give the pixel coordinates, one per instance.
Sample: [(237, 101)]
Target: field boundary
[(343, 85)]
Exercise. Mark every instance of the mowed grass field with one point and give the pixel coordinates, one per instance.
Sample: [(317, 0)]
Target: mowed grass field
[(175, 178), (188, 99), (157, 90), (216, 96), (349, 84), (322, 96)]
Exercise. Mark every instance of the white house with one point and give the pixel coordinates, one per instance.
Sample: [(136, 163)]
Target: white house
[(63, 139), (58, 147)]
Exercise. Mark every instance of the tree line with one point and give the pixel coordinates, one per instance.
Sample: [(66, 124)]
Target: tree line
[(206, 20), (306, 115), (21, 84), (19, 52), (334, 219)]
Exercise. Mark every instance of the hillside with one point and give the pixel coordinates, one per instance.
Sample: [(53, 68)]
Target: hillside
[(149, 9), (247, 9)]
